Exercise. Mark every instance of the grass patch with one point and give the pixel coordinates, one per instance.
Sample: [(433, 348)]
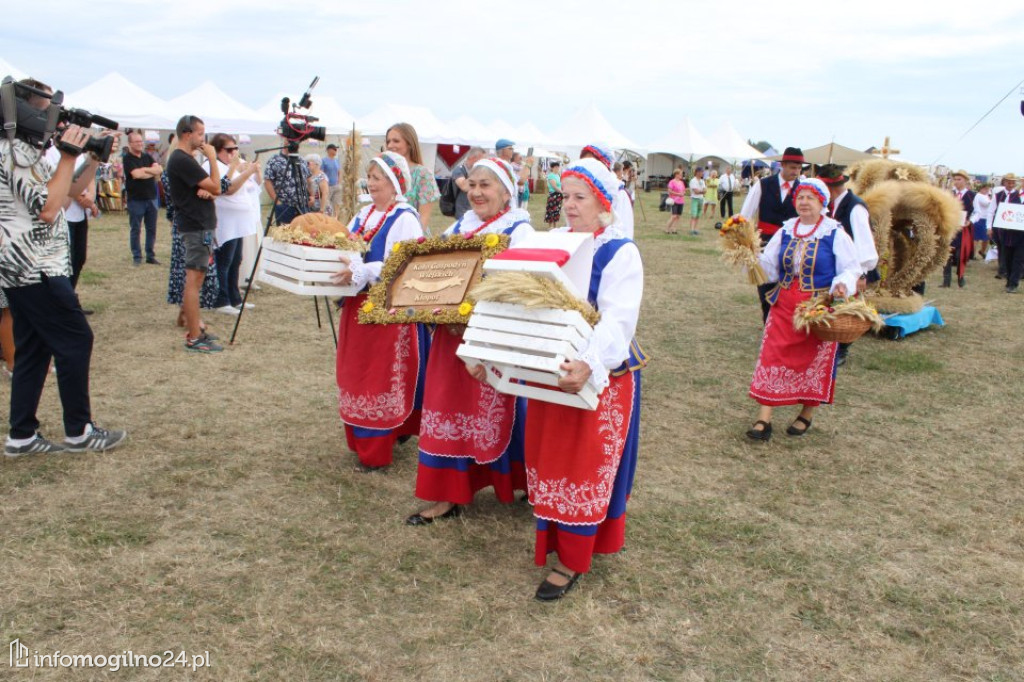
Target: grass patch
[(92, 277), (902, 361), (884, 545)]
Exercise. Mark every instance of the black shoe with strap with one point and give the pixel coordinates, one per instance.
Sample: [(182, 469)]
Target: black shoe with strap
[(792, 430), (764, 433), (418, 519), (548, 591)]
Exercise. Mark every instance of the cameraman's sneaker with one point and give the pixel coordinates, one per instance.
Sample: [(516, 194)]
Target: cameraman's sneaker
[(95, 439), (37, 446), (202, 344)]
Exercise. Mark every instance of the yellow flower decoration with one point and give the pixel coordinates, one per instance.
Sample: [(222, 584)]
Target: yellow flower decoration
[(465, 309), (491, 241), (368, 306), (398, 245)]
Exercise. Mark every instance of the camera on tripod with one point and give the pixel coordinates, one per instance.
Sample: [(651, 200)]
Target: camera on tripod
[(296, 127), (37, 126)]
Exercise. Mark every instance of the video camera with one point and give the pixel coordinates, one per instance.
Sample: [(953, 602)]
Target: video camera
[(37, 126), (296, 127)]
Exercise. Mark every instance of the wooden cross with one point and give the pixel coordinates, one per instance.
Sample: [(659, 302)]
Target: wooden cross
[(886, 150)]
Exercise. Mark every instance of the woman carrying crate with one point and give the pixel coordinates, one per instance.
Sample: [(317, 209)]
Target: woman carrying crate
[(580, 463)]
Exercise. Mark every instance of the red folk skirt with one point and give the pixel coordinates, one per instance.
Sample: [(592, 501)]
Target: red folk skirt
[(793, 367), (579, 468), (378, 369), (470, 435)]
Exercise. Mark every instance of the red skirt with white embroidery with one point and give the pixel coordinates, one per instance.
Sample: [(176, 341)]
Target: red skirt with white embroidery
[(793, 367), (377, 370), (466, 431), (462, 417), (573, 455)]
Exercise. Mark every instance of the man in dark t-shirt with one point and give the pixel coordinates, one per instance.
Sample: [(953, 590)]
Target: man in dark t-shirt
[(141, 173), (192, 191)]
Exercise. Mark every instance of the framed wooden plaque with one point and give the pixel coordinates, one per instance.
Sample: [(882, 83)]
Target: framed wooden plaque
[(427, 280)]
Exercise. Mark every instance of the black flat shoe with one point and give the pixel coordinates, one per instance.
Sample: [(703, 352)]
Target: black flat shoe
[(549, 591), (419, 519), (791, 430), (370, 470), (764, 433)]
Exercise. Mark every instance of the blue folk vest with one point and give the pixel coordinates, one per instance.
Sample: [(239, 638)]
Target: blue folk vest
[(814, 274), (637, 357), (380, 240)]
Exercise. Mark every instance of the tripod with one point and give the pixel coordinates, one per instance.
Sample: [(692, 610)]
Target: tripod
[(302, 199)]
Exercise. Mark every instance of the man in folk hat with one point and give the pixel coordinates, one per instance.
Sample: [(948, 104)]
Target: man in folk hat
[(852, 213), (772, 199), (1000, 195), (1013, 246), (963, 242)]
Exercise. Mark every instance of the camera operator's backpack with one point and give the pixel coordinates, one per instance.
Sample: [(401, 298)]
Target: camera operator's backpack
[(447, 201)]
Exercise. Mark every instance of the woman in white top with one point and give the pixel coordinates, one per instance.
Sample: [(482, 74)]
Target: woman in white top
[(979, 218), (379, 366), (471, 435), (580, 463), (809, 255), (235, 219)]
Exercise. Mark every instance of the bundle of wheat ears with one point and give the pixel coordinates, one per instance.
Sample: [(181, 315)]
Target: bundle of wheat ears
[(350, 178), (741, 247), (531, 291)]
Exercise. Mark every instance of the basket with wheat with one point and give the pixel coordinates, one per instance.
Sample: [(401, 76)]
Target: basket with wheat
[(842, 320)]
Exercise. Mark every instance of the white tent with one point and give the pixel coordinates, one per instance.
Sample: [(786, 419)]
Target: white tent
[(471, 131), (221, 112), (529, 135), (732, 145), (429, 128), (8, 69), (116, 97), (587, 126), (683, 143)]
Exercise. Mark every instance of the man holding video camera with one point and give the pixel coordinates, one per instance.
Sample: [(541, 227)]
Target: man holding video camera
[(35, 270)]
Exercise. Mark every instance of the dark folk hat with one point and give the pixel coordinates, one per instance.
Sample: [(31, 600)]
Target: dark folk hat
[(793, 154), (832, 174)]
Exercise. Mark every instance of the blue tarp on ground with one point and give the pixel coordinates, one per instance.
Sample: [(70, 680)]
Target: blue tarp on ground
[(902, 325)]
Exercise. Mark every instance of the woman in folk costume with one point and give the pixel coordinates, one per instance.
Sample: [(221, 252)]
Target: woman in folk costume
[(580, 463), (471, 435), (809, 255), (379, 367)]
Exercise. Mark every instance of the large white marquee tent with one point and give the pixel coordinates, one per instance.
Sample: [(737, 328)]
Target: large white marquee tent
[(116, 97)]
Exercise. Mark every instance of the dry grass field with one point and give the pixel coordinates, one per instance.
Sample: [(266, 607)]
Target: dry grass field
[(887, 544)]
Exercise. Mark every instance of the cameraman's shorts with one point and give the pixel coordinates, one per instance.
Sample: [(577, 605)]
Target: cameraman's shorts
[(198, 248)]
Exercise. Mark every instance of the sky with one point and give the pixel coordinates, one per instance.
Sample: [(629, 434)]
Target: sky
[(921, 73)]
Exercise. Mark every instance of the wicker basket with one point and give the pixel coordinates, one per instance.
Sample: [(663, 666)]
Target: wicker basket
[(843, 329)]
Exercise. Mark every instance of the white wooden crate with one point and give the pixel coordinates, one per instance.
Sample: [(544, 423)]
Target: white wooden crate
[(303, 270), (518, 344)]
